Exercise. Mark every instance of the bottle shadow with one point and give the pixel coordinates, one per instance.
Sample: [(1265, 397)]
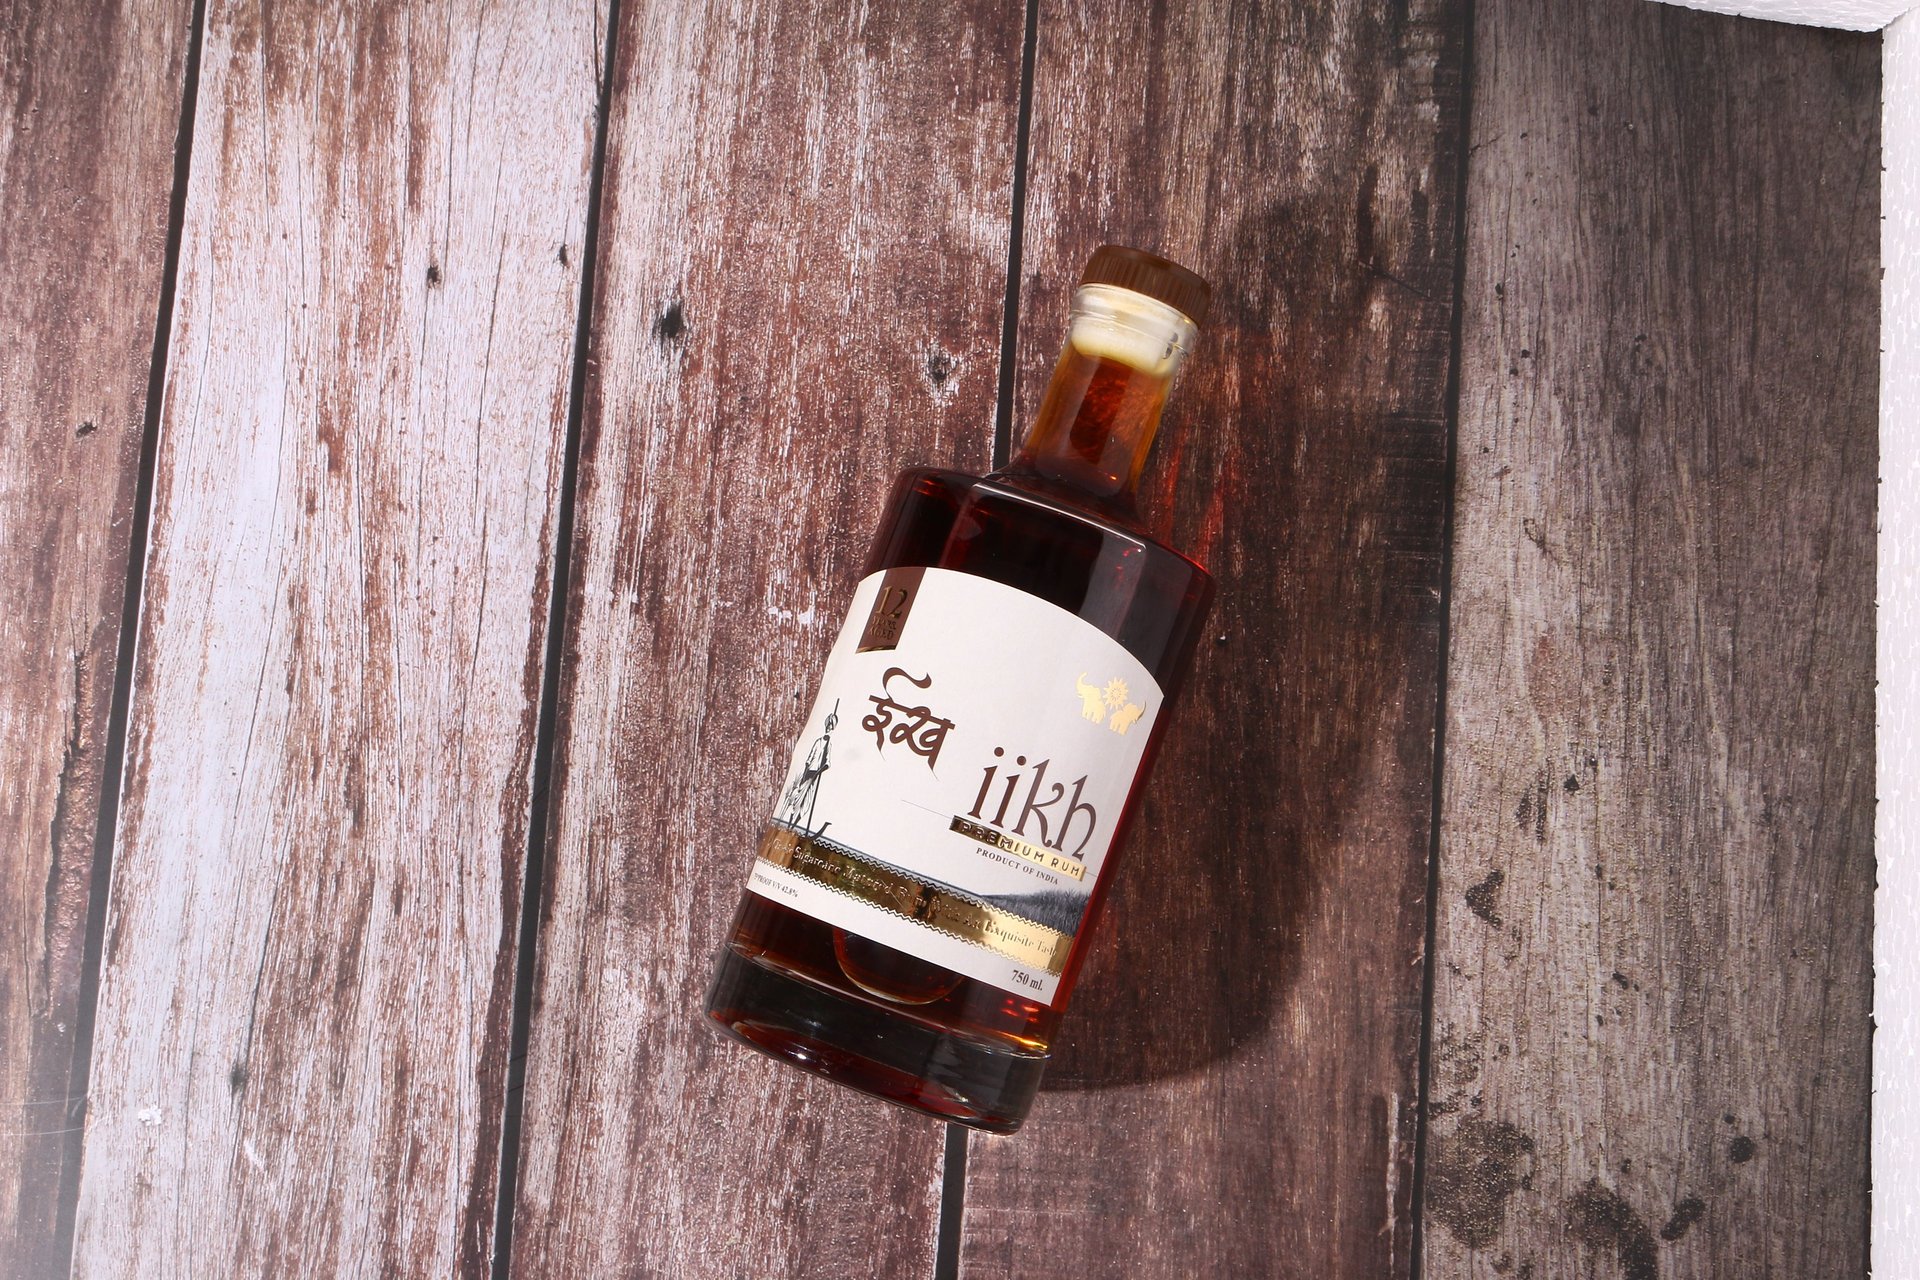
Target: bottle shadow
[(1296, 768), (1200, 935), (1299, 760)]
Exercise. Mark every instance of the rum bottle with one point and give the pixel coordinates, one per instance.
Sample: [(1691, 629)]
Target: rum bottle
[(916, 912)]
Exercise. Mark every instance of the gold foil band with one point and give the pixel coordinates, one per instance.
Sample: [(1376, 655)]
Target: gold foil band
[(1016, 938)]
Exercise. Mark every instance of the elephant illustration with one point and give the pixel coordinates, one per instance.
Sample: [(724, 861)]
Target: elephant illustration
[(1096, 700), (1093, 702)]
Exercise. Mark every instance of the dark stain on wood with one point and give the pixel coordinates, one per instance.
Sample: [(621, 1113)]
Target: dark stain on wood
[(1531, 812), (672, 323), (1471, 1174), (940, 367), (1742, 1149), (1482, 897), (1598, 1218), (1685, 1214)]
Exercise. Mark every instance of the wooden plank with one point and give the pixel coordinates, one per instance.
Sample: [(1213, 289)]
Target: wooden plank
[(804, 254), (304, 1010), (89, 108), (1245, 1043), (1650, 1022)]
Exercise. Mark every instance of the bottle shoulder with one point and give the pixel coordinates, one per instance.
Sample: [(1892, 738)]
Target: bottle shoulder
[(1144, 594), (1044, 506)]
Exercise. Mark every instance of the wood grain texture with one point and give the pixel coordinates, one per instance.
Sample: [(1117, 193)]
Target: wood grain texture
[(303, 1017), (804, 247), (1656, 869), (89, 107), (1237, 1091)]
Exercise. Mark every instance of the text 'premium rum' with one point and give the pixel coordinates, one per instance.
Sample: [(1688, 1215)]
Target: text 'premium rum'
[(986, 719)]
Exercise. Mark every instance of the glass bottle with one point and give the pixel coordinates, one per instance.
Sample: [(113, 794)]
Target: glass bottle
[(984, 727)]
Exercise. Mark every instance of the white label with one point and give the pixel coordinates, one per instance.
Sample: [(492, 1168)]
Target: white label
[(956, 789)]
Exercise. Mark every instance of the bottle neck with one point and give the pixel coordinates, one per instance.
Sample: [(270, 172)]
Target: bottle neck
[(1096, 425)]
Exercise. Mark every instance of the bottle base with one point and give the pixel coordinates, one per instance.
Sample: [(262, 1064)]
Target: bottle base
[(887, 1056)]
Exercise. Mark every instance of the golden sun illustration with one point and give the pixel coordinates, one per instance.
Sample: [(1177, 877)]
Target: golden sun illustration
[(1115, 693)]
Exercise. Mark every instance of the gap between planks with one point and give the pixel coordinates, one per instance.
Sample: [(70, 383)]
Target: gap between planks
[(1422, 1121), (521, 1018), (953, 1186), (113, 765)]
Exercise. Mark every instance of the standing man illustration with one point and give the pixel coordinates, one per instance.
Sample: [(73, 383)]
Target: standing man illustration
[(806, 788)]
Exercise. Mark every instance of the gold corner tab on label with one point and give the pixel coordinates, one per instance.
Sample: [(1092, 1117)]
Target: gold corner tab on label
[(1039, 857), (1002, 932), (891, 605)]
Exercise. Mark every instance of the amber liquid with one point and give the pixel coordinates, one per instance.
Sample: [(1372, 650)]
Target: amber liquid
[(1055, 524)]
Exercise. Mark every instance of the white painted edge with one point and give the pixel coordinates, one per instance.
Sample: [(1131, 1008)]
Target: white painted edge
[(1896, 902), (1850, 15)]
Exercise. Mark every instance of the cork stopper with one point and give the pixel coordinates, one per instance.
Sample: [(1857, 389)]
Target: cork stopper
[(1151, 275)]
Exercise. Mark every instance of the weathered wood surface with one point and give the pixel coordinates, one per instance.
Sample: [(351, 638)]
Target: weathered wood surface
[(1649, 1032), (803, 250), (1237, 1094), (89, 108), (300, 1052), (1650, 1023)]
